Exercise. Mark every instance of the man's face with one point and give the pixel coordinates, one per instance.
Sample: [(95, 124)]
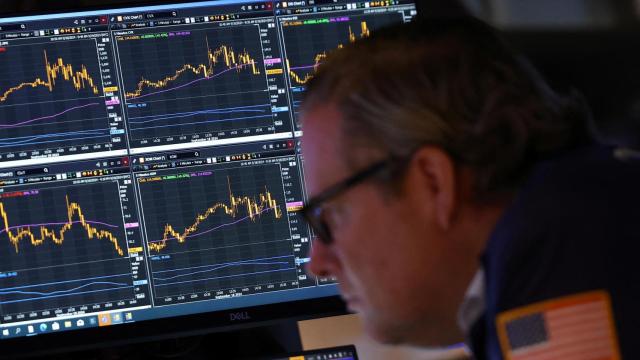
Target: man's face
[(391, 259)]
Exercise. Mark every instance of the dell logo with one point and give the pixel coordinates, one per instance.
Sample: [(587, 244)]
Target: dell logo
[(244, 315)]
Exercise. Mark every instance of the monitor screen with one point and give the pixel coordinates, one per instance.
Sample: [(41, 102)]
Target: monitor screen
[(149, 163)]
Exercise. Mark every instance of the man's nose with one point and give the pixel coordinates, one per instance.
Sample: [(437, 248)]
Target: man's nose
[(323, 262)]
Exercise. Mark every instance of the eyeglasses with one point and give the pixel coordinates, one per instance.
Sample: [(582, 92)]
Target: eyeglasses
[(314, 212)]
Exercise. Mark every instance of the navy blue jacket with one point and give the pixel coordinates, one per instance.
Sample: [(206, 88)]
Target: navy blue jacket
[(574, 226)]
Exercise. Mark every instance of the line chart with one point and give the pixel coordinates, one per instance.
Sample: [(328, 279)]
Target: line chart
[(321, 56), (63, 246), (159, 244), (60, 69), (224, 53), (51, 95), (254, 208), (230, 270), (57, 236), (211, 229), (63, 289), (194, 83), (308, 42)]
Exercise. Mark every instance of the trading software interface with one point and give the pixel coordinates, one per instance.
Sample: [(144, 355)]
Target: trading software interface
[(149, 162)]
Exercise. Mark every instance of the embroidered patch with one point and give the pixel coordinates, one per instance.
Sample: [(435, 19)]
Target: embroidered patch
[(572, 327)]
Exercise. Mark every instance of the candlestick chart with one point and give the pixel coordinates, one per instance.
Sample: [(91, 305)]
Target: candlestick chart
[(194, 82), (51, 95), (216, 229), (308, 42), (62, 246)]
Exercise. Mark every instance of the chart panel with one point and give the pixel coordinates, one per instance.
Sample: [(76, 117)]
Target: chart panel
[(192, 84), (65, 248), (309, 39), (217, 230), (56, 98)]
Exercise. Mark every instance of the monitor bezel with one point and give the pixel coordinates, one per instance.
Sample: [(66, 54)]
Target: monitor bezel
[(172, 327)]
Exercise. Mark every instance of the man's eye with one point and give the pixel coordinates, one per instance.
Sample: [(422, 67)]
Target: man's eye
[(334, 217)]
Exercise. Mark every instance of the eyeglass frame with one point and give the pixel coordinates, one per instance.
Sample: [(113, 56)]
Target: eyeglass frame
[(312, 211)]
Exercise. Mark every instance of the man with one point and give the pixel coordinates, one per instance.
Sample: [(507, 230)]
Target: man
[(434, 154)]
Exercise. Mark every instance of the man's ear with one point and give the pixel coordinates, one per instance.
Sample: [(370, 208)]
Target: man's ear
[(437, 176)]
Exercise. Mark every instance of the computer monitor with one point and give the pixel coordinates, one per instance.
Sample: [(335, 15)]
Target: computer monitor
[(150, 178)]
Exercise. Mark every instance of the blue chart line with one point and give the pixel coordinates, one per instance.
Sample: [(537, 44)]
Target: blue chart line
[(50, 137), (232, 110), (228, 276), (62, 291), (63, 282), (251, 109), (235, 262), (20, 290), (212, 268), (7, 142), (203, 122), (220, 266), (54, 296)]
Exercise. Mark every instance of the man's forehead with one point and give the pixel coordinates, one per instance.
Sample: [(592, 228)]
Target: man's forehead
[(329, 146), (323, 145), (322, 120)]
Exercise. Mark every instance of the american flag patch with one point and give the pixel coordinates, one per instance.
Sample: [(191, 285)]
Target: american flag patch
[(573, 327)]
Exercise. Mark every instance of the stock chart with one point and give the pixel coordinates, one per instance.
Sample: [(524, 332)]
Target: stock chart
[(191, 84), (307, 42), (210, 230), (62, 246), (51, 94)]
